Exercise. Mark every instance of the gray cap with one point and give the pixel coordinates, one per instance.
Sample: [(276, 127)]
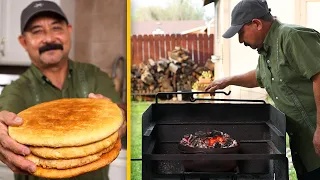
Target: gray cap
[(243, 13), (37, 7)]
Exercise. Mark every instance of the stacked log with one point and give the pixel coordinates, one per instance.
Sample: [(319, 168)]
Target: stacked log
[(177, 73)]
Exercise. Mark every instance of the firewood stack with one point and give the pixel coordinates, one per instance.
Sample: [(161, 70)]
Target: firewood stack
[(177, 73)]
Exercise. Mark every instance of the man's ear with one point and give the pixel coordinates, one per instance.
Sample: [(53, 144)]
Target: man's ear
[(22, 41), (70, 29), (258, 23)]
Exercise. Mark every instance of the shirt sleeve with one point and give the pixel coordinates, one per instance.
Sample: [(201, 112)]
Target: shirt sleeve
[(303, 50), (105, 86), (11, 100)]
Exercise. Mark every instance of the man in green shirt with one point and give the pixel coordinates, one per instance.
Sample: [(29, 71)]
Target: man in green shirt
[(46, 36), (288, 68)]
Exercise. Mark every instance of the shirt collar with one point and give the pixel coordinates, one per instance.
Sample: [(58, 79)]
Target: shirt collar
[(270, 38), (38, 74)]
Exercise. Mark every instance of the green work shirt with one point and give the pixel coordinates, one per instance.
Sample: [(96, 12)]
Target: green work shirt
[(33, 88), (289, 58)]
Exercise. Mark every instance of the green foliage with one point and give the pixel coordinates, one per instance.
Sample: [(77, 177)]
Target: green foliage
[(177, 10)]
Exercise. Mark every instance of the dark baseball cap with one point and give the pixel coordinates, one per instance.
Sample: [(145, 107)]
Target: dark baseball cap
[(38, 7), (244, 12)]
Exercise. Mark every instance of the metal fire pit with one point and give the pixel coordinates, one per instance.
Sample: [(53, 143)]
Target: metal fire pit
[(257, 126)]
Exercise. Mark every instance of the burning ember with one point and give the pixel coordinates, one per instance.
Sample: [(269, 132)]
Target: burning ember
[(214, 139)]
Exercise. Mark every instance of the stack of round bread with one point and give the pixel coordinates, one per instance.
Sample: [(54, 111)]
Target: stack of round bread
[(69, 137)]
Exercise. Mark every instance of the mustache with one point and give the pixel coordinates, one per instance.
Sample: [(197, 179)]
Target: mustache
[(246, 44), (49, 47)]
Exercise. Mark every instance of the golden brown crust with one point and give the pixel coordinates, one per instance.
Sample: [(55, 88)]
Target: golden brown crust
[(67, 163), (67, 122), (105, 159), (74, 152)]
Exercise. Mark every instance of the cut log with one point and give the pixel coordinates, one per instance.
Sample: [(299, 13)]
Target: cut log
[(209, 65)]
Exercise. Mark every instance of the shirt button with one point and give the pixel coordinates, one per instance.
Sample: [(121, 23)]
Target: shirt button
[(268, 61), (272, 79), (280, 80), (277, 98)]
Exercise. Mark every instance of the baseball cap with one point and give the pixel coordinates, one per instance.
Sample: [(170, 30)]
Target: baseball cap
[(243, 13), (37, 7)]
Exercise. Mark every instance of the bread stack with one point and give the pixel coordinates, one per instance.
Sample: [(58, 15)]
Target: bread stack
[(69, 137)]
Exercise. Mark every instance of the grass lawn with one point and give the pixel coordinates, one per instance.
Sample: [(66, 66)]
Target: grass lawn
[(137, 108)]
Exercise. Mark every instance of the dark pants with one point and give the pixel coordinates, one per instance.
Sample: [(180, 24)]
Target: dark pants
[(301, 171), (313, 175)]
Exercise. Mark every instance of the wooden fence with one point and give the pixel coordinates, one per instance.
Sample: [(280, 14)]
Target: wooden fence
[(156, 47)]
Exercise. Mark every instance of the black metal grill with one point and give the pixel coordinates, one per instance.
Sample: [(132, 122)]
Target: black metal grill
[(260, 129)]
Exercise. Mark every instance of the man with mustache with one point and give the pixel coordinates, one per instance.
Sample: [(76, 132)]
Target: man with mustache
[(46, 36), (288, 68)]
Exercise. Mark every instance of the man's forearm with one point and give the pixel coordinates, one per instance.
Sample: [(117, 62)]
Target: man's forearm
[(248, 80), (316, 92)]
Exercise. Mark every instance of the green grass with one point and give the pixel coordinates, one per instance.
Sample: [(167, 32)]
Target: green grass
[(137, 108), (136, 169), (292, 172)]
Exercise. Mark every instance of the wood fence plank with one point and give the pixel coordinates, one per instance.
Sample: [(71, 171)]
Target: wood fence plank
[(190, 45), (178, 40), (173, 41), (156, 47), (184, 39), (133, 49), (162, 47), (201, 48), (211, 44), (206, 54), (168, 45), (139, 44), (146, 48), (196, 48)]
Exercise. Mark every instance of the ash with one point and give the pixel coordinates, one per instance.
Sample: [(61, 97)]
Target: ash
[(211, 139)]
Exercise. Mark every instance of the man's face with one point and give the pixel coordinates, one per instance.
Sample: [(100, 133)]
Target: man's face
[(250, 35), (47, 41)]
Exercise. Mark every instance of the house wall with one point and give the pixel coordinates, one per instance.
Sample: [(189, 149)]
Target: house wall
[(238, 59)]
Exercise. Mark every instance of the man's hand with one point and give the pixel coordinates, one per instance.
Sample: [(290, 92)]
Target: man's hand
[(98, 96), (218, 84), (316, 141), (248, 80), (123, 128), (316, 89), (11, 152)]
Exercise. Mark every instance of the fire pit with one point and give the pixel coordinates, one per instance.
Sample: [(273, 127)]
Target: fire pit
[(211, 142), (258, 128)]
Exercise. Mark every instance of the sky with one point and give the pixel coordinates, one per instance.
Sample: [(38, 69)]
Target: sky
[(208, 9)]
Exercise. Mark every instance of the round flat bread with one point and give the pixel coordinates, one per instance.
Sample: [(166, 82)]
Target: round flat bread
[(105, 159), (68, 122), (74, 152), (67, 163)]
